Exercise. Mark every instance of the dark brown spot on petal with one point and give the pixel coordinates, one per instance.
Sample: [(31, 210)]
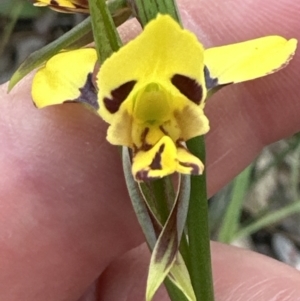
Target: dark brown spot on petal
[(118, 96), (195, 168), (83, 3), (210, 82), (88, 93), (145, 146), (163, 130), (80, 6), (142, 175), (188, 87), (144, 134), (180, 143), (156, 162)]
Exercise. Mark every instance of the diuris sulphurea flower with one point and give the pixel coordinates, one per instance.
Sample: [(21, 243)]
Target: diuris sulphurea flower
[(152, 91)]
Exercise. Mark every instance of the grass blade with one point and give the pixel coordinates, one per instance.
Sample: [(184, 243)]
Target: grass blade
[(231, 219)]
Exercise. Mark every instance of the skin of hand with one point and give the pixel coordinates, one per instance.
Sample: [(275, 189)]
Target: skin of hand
[(65, 216)]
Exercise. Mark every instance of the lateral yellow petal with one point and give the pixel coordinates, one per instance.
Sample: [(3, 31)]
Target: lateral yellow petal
[(191, 121), (247, 60), (63, 3), (162, 51), (67, 6), (120, 131), (67, 76)]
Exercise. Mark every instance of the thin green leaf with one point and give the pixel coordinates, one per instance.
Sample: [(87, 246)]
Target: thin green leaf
[(146, 10), (198, 229), (159, 195), (231, 219), (217, 208), (174, 292), (180, 276), (137, 200), (106, 36), (166, 248), (77, 37), (269, 219)]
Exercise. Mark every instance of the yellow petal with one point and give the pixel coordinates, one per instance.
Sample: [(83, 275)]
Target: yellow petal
[(67, 76), (120, 132), (80, 6), (247, 60), (191, 121), (187, 163), (162, 53), (63, 3)]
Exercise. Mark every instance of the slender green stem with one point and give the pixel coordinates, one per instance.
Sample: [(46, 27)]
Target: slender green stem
[(106, 36), (75, 38), (198, 230), (146, 10)]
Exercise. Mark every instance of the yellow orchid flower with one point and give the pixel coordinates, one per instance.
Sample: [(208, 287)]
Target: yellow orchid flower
[(152, 91), (67, 6)]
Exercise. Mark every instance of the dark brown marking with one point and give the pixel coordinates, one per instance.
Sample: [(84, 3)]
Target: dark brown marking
[(209, 81), (142, 175), (156, 162), (195, 168), (180, 143), (80, 6), (170, 241), (163, 130), (145, 146), (88, 93), (188, 87), (118, 96), (135, 148), (144, 135)]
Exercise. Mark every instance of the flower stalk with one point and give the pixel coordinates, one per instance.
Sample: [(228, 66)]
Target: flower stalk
[(198, 230), (148, 10), (106, 36)]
